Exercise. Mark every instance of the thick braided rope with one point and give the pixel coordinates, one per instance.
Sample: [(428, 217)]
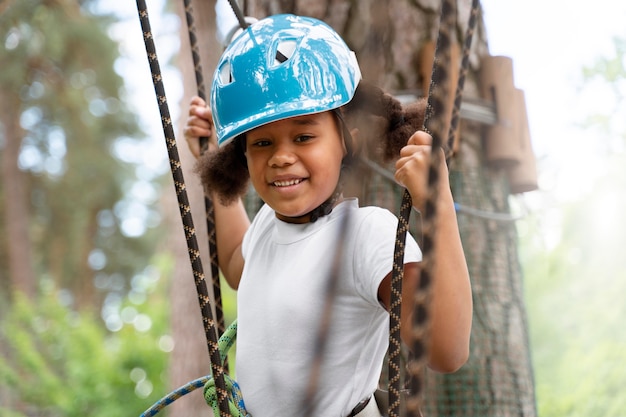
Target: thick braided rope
[(395, 348), (238, 13), (467, 47), (224, 344), (434, 124), (185, 211), (208, 203)]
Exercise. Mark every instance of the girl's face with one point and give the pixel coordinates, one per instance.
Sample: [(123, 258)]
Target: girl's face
[(295, 163)]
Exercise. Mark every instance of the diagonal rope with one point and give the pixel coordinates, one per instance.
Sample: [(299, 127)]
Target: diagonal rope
[(325, 321), (208, 203), (217, 369), (238, 13)]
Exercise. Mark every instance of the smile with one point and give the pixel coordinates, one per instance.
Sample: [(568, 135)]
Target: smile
[(287, 183)]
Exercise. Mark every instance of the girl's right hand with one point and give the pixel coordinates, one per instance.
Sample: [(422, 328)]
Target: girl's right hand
[(199, 124)]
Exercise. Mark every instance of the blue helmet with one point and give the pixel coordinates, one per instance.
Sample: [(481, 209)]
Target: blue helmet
[(279, 67)]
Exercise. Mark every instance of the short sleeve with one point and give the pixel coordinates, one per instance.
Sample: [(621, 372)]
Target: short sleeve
[(375, 237)]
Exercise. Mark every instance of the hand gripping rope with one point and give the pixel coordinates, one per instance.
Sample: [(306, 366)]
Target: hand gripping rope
[(204, 300), (434, 123)]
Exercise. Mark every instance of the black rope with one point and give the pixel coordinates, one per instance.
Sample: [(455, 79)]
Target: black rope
[(467, 47), (185, 211), (321, 340), (434, 124), (240, 17), (208, 203)]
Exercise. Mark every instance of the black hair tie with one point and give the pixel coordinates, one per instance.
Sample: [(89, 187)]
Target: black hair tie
[(396, 122)]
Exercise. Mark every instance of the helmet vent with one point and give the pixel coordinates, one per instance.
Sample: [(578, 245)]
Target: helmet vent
[(284, 51), (225, 74)]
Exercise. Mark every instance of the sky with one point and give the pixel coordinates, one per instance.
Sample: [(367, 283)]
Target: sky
[(550, 42)]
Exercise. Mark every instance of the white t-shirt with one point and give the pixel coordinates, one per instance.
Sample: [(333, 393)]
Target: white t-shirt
[(280, 300)]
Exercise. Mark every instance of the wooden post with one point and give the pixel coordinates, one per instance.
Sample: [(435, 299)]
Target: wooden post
[(522, 176), (496, 84)]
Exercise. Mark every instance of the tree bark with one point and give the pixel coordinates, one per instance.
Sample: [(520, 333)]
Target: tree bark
[(388, 38), (21, 273)]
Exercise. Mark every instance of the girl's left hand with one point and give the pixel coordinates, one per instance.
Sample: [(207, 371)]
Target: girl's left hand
[(412, 168)]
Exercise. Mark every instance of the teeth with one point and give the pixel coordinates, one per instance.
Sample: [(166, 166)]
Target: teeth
[(287, 183)]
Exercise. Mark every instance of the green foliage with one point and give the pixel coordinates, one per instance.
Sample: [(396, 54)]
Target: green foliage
[(59, 362), (58, 71), (575, 287)]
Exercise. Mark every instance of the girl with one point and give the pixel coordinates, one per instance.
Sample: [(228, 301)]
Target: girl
[(290, 113)]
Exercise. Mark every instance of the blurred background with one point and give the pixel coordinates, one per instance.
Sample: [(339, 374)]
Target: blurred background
[(92, 240)]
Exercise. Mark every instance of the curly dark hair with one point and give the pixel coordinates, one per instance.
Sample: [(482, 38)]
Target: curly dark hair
[(384, 128)]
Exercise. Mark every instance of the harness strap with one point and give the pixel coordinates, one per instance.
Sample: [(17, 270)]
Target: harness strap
[(366, 408)]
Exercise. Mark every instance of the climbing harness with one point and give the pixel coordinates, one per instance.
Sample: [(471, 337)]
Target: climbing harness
[(204, 300)]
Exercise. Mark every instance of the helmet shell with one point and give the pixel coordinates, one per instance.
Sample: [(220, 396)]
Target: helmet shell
[(279, 67)]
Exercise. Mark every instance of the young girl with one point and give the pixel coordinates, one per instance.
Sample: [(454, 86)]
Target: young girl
[(285, 103)]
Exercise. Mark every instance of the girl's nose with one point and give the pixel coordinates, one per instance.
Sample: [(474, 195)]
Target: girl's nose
[(282, 156)]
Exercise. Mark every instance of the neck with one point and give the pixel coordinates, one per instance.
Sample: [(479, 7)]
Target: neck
[(322, 210)]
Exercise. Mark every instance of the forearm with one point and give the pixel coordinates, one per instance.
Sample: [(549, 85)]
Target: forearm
[(231, 223), (451, 306)]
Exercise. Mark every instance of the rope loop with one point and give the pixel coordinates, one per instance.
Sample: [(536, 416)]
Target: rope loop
[(235, 398)]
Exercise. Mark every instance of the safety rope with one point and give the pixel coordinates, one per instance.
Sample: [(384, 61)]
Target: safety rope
[(434, 123), (238, 13), (434, 119), (458, 98), (236, 405), (208, 203), (204, 300), (325, 321)]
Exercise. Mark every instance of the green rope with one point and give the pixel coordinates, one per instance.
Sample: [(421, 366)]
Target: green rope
[(235, 400)]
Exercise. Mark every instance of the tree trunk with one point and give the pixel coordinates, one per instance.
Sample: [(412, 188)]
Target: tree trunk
[(388, 38), (21, 274)]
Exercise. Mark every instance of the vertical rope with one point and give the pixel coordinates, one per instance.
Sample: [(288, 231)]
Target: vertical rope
[(434, 124), (467, 46), (208, 203), (185, 212), (397, 273)]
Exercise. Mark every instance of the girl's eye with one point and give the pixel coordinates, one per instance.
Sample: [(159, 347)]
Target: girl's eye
[(303, 138), (260, 143)]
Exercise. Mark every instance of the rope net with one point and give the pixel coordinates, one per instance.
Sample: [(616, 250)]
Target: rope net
[(497, 380)]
